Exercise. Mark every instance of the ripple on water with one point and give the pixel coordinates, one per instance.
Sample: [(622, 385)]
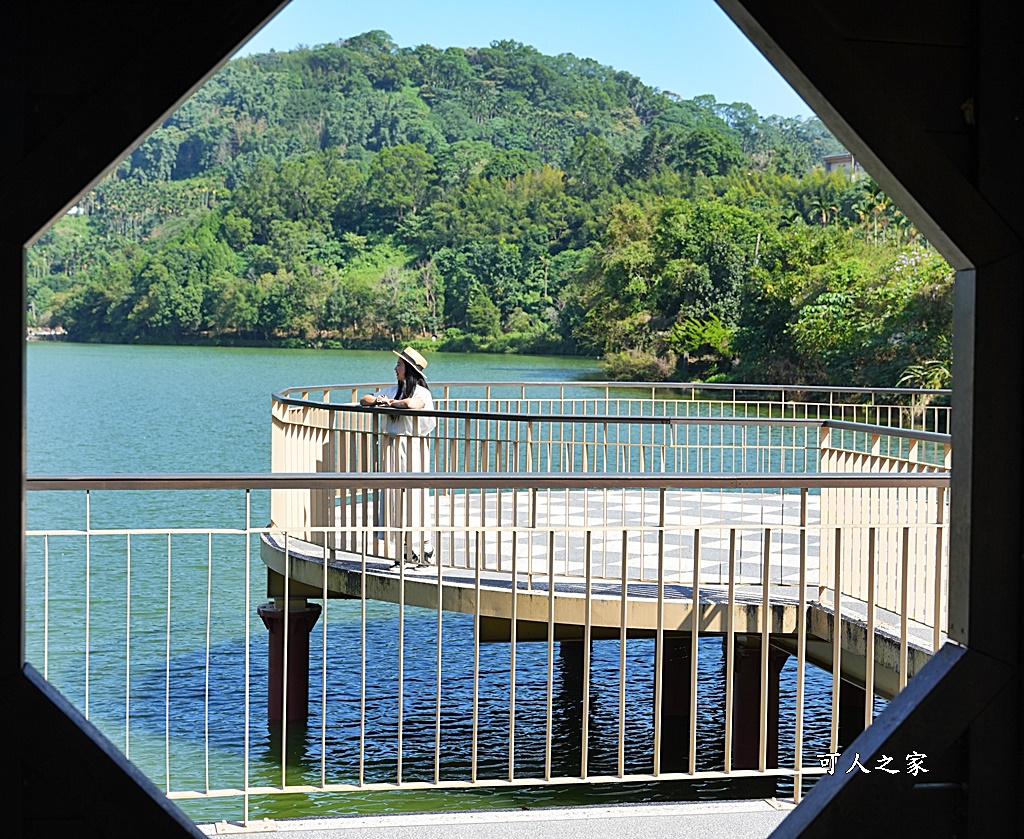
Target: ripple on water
[(328, 742)]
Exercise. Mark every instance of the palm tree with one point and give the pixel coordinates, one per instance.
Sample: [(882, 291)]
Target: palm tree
[(930, 374), (820, 208), (877, 204), (906, 232), (862, 210), (790, 217)]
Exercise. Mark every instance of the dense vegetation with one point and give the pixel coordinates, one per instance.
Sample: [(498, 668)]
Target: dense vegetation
[(497, 199)]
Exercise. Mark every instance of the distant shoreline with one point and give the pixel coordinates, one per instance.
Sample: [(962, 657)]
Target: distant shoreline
[(58, 334)]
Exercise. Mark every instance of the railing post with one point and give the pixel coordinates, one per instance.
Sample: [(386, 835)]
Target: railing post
[(941, 572), (827, 508), (825, 453)]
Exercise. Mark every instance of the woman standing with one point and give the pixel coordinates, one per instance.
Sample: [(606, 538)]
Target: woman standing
[(405, 449)]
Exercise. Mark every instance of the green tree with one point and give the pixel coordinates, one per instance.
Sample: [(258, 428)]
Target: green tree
[(709, 152), (398, 182), (483, 319), (590, 167)]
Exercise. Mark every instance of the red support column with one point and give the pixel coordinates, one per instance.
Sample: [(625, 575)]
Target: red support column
[(746, 740), (301, 620)]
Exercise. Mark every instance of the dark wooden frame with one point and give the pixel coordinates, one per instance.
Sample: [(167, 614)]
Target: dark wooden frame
[(927, 93)]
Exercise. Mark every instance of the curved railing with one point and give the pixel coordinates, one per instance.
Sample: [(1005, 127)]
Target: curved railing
[(892, 407), (605, 426), (609, 427), (592, 429)]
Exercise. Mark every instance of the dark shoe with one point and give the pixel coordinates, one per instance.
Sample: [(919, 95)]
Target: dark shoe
[(414, 561)]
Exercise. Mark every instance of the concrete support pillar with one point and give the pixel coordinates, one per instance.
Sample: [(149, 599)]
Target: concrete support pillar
[(676, 683), (301, 618), (852, 699), (747, 717), (568, 703), (571, 653)]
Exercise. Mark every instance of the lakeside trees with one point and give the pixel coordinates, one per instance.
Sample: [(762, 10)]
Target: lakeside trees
[(500, 200)]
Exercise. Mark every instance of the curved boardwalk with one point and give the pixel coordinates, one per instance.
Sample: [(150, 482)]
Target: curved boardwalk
[(545, 538)]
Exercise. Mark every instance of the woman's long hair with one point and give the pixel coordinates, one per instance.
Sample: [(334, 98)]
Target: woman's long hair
[(413, 379)]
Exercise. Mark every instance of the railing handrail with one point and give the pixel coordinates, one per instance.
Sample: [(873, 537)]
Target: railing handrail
[(889, 430), (648, 386), (490, 480), (613, 419), (625, 419)]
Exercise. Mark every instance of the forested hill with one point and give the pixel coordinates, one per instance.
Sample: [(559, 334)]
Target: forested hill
[(362, 95), (361, 193)]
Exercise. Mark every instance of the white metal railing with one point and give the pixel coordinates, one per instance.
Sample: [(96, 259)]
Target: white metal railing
[(919, 554), (748, 592), (406, 692), (909, 408), (600, 427), (589, 427)]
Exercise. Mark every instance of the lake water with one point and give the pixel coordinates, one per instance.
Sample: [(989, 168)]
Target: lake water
[(116, 409)]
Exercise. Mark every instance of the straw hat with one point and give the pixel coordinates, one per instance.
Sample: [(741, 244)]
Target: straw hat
[(410, 356)]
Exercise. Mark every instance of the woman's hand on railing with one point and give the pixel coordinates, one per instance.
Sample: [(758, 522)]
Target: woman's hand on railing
[(377, 400), (371, 400)]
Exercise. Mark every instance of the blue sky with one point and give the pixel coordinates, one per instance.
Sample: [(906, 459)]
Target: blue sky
[(689, 47)]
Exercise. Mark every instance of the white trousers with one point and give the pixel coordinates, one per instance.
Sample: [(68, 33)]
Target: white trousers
[(411, 509)]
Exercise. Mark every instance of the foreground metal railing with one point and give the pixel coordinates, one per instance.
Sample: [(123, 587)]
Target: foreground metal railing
[(406, 692), (630, 586)]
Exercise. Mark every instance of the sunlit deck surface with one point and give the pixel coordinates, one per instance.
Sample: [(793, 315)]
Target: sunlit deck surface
[(725, 523), (687, 820)]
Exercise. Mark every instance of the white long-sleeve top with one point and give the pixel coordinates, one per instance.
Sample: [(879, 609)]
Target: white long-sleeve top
[(407, 424)]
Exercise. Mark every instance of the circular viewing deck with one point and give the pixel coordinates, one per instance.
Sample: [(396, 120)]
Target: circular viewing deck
[(570, 495)]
